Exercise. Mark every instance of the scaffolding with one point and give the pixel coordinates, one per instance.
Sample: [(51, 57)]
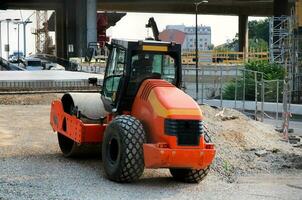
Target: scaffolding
[(284, 50), (43, 40)]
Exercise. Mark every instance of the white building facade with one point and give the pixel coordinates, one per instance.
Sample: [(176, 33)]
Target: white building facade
[(204, 37)]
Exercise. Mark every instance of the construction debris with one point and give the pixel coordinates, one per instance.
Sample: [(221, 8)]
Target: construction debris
[(246, 146)]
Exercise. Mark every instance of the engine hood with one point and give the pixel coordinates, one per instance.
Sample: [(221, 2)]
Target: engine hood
[(168, 101)]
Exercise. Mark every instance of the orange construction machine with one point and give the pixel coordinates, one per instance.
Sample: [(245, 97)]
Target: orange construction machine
[(141, 119)]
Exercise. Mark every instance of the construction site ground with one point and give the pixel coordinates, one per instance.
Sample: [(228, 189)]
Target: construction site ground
[(252, 161)]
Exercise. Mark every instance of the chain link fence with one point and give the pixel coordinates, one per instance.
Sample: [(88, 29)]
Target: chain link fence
[(238, 88)]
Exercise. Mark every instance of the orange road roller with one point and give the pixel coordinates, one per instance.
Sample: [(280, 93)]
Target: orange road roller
[(140, 119)]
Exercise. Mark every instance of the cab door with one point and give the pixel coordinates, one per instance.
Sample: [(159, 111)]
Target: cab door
[(114, 77)]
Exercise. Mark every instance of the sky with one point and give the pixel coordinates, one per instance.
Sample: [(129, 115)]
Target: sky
[(132, 26)]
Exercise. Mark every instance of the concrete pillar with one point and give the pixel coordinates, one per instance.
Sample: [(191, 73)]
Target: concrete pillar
[(76, 26), (243, 35), (70, 21), (91, 21), (81, 32), (60, 33)]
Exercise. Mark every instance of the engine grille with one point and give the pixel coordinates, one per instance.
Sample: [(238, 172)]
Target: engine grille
[(187, 131)]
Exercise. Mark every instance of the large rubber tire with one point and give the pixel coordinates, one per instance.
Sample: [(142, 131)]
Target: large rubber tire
[(122, 149), (191, 175)]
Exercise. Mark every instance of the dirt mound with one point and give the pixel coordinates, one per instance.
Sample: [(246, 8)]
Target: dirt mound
[(247, 146), (28, 99)]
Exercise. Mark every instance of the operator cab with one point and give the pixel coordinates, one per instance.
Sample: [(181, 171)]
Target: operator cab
[(130, 63)]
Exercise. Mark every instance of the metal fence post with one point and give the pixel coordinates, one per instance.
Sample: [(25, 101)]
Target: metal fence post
[(202, 83), (183, 80), (256, 95), (221, 95), (277, 108), (236, 82), (262, 97), (243, 92)]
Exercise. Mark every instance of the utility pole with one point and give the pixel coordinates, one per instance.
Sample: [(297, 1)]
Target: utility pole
[(17, 21), (24, 23), (0, 39), (7, 46)]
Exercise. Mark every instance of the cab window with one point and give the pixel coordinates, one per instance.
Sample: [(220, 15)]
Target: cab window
[(115, 70), (145, 65)]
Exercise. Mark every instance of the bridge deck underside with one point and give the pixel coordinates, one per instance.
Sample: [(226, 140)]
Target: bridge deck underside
[(219, 7)]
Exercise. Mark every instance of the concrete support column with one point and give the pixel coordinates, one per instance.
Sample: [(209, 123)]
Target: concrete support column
[(91, 21), (76, 26), (70, 22), (60, 33), (243, 35), (81, 30)]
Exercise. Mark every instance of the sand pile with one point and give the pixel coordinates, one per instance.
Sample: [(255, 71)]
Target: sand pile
[(247, 146)]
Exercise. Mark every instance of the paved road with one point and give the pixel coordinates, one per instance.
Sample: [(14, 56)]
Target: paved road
[(31, 167)]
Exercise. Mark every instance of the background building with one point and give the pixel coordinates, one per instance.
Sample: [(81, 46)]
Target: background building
[(185, 35)]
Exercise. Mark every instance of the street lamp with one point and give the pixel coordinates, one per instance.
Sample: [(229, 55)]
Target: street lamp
[(7, 45), (196, 48)]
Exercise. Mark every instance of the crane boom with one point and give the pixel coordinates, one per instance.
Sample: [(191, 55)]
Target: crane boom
[(152, 24)]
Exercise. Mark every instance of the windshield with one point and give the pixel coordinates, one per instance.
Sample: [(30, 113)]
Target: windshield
[(157, 65), (150, 65)]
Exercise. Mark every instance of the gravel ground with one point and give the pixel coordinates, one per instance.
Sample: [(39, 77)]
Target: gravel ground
[(32, 167), (28, 99)]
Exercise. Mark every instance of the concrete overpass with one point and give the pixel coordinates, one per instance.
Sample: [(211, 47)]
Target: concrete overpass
[(76, 19)]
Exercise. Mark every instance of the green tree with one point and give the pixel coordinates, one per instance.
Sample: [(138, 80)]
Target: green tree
[(258, 45), (259, 29), (258, 37)]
